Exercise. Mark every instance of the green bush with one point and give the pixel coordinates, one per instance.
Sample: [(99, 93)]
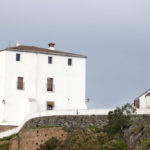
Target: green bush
[(50, 144), (119, 120), (123, 145), (145, 144), (79, 140), (4, 146), (84, 140), (8, 137)]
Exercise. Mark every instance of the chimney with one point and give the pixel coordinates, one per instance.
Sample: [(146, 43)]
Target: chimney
[(51, 46), (18, 44)]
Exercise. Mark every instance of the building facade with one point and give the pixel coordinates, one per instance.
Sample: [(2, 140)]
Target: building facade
[(35, 79)]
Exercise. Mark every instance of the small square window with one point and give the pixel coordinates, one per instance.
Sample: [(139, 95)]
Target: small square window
[(17, 57), (69, 62), (50, 60)]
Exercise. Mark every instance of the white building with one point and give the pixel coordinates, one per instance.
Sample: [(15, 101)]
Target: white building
[(143, 101), (35, 79)]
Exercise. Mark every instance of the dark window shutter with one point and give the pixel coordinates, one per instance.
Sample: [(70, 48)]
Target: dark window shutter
[(69, 62), (50, 60), (17, 57), (20, 83), (50, 84)]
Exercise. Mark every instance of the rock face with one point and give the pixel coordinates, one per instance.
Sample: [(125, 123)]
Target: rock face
[(138, 131), (67, 121)]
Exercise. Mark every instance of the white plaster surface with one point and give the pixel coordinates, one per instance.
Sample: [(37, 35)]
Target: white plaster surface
[(144, 100)]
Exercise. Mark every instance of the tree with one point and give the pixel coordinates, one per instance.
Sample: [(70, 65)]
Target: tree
[(119, 119)]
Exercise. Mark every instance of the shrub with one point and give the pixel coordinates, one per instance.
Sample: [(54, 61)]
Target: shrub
[(145, 144), (8, 137), (4, 146), (119, 120), (112, 145), (50, 144)]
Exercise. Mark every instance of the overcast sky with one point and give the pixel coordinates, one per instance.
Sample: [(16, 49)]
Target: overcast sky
[(114, 34)]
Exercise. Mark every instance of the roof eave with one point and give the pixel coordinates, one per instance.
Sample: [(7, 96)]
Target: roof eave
[(79, 56)]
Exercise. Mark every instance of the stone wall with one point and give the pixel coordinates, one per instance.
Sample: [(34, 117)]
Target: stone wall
[(31, 139), (67, 121)]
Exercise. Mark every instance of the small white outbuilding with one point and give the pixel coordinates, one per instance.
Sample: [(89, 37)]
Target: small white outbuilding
[(143, 101), (36, 79)]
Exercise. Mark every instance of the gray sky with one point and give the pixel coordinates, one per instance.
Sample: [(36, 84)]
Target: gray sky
[(114, 34)]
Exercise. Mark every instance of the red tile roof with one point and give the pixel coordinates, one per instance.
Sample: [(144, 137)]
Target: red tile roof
[(43, 50)]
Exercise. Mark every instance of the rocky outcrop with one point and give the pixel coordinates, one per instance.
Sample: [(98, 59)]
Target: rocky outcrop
[(138, 131)]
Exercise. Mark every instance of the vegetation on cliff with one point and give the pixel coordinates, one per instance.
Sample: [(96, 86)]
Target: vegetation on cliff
[(121, 131), (110, 137), (85, 140), (4, 146)]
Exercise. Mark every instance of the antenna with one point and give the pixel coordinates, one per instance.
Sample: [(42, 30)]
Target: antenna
[(9, 43)]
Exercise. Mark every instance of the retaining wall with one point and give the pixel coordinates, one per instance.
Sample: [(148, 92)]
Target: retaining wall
[(66, 118)]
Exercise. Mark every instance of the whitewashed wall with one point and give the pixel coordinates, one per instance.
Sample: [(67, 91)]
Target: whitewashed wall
[(144, 100), (69, 84), (143, 111), (147, 101), (2, 85)]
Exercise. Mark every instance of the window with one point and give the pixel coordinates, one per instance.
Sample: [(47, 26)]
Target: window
[(17, 57), (50, 105), (49, 84), (69, 62), (20, 83), (50, 60)]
